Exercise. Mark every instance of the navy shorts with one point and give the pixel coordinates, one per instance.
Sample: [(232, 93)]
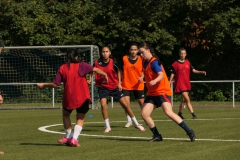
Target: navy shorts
[(158, 100), (104, 93), (137, 94), (83, 109)]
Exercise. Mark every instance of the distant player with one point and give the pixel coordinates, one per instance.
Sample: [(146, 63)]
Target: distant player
[(180, 71), (159, 93), (132, 78), (113, 88), (1, 98), (76, 93)]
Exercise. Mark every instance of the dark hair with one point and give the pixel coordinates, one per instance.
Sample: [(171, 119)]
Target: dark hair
[(133, 44), (147, 46), (71, 55)]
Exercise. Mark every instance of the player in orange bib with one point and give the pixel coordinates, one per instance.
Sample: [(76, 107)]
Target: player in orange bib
[(159, 93), (113, 88), (132, 78)]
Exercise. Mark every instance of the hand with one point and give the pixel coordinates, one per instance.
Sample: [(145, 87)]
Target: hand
[(89, 81), (40, 85), (120, 87), (105, 79), (140, 79), (204, 72), (151, 83)]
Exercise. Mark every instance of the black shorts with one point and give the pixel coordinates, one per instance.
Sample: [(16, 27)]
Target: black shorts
[(137, 94), (157, 100), (82, 109), (104, 93)]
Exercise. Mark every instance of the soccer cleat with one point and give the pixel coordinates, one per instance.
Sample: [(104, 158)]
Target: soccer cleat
[(180, 115), (194, 117), (129, 124), (107, 130), (140, 127), (63, 140), (73, 142), (1, 152), (191, 135), (156, 138)]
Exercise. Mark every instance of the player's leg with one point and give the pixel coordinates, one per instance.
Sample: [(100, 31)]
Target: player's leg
[(67, 125), (81, 112), (147, 109), (103, 95), (181, 107), (117, 95), (167, 108), (189, 105), (126, 94)]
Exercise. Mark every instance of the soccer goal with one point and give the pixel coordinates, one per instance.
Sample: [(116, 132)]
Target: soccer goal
[(22, 67)]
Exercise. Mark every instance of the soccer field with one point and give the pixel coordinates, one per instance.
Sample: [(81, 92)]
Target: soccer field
[(33, 134)]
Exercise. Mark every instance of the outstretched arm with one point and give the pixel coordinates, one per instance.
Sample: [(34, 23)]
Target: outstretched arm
[(199, 72), (42, 85), (99, 71)]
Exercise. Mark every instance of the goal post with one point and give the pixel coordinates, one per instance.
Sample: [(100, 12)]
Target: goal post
[(21, 67)]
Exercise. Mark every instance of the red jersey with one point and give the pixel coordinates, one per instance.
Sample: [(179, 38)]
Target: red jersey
[(111, 73), (76, 90), (182, 73), (160, 88), (131, 73)]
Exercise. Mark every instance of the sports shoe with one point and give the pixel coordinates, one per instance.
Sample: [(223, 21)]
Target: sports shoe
[(180, 115), (140, 127), (108, 129), (63, 140), (1, 152), (194, 117), (191, 135), (156, 138), (129, 124), (73, 142)]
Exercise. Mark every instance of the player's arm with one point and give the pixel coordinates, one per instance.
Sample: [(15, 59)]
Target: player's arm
[(140, 79), (158, 79), (199, 72), (42, 85), (172, 71), (119, 73), (99, 71)]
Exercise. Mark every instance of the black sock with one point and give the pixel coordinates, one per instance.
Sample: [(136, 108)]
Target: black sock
[(155, 131), (184, 126), (193, 114)]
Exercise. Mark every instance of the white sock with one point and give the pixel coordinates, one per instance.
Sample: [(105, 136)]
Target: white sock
[(107, 122), (135, 120), (77, 131), (68, 133), (129, 118)]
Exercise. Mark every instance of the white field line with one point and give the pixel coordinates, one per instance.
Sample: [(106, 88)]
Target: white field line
[(44, 129)]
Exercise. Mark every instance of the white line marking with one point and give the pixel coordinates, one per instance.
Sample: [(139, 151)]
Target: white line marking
[(44, 129)]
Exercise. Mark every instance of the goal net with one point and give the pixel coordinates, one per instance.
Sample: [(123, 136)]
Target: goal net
[(22, 67)]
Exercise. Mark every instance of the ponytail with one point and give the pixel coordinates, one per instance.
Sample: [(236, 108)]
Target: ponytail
[(71, 57)]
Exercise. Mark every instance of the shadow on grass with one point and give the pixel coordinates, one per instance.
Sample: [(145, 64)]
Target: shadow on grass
[(125, 139)]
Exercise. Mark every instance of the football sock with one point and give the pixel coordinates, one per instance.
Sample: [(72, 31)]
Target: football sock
[(129, 118), (155, 131), (68, 133), (77, 131), (135, 121), (107, 122), (184, 126), (193, 114)]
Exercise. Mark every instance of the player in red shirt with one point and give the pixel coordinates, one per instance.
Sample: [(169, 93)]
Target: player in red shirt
[(132, 78), (159, 93), (76, 93), (113, 88), (180, 72)]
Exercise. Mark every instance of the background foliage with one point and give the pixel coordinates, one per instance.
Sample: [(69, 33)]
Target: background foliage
[(209, 30)]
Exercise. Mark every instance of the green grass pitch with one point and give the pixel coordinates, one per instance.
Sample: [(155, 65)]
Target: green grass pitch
[(217, 136)]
